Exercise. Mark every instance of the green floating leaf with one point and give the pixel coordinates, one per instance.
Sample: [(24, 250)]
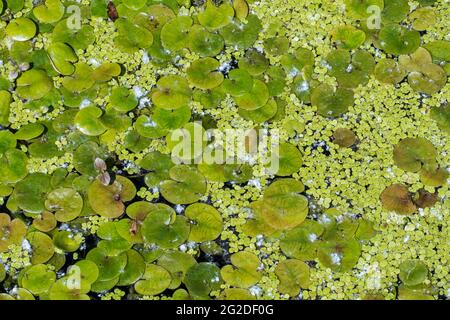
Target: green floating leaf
[(242, 35), (289, 160), (177, 263), (216, 17), (29, 193), (62, 58), (106, 72), (109, 266), (423, 18), (134, 269), (301, 242), (413, 272), (344, 137), (389, 71), (203, 278), (348, 37), (442, 117), (255, 98), (172, 92), (108, 200), (66, 203), (206, 222), (38, 279), (244, 271), (29, 131), (351, 70), (77, 38), (396, 39), (7, 141), (21, 29), (11, 231), (123, 99), (254, 62), (49, 12), (361, 9), (156, 279), (132, 37), (202, 73), (79, 81), (261, 114), (330, 102), (5, 100), (203, 42), (186, 186), (293, 275), (33, 84), (175, 33), (238, 83), (42, 247), (45, 222), (88, 121), (159, 165), (413, 154), (339, 256), (394, 11), (282, 207), (164, 228), (66, 241)]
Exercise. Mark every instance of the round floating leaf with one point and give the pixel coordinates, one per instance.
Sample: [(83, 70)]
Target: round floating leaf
[(282, 207), (62, 58), (87, 120), (172, 92), (440, 50), (5, 100), (442, 117), (45, 222), (396, 39), (133, 270), (29, 193), (412, 293), (42, 247), (397, 198), (348, 37), (289, 160), (21, 29), (172, 119), (123, 99), (159, 165), (203, 278), (430, 79), (202, 74), (66, 241), (394, 11), (157, 16), (7, 141), (255, 98), (361, 9), (344, 138), (293, 275), (244, 272), (109, 266), (413, 272), (33, 84), (132, 37), (50, 11), (238, 83), (351, 70), (66, 31), (206, 222), (389, 71), (330, 102), (422, 18), (156, 280), (301, 242), (177, 263), (29, 131), (254, 62), (412, 154), (66, 203), (175, 33), (276, 46), (38, 279), (11, 231), (106, 72), (216, 17), (108, 200), (339, 256), (88, 270), (240, 34), (262, 114), (236, 294), (434, 178), (203, 42), (85, 155), (186, 186), (79, 81), (165, 229)]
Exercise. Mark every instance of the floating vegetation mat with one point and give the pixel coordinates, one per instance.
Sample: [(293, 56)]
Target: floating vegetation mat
[(224, 149)]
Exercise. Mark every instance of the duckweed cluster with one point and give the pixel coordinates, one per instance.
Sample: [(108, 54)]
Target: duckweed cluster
[(93, 207)]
